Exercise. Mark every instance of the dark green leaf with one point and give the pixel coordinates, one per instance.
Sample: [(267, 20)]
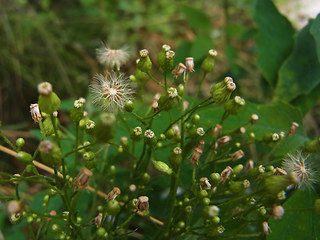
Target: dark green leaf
[(315, 31), (200, 47), (297, 224), (300, 74), (307, 101), (274, 39), (197, 19)]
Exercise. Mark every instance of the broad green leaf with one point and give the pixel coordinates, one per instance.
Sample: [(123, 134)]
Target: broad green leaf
[(200, 47), (307, 101), (197, 19), (300, 73), (297, 224), (274, 39), (315, 31)]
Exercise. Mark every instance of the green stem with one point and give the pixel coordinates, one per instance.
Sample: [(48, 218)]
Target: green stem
[(165, 80), (155, 80), (8, 141)]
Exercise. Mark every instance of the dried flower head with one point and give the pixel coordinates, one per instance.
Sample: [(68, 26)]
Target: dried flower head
[(216, 130), (237, 155), (204, 183), (112, 58), (83, 178), (179, 69), (225, 174), (249, 165), (197, 152), (35, 112), (302, 167), (190, 64), (98, 220), (110, 92), (265, 228), (142, 203), (44, 88), (293, 128), (113, 194)]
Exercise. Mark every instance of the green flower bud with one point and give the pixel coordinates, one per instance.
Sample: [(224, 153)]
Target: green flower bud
[(136, 134), (16, 218), (144, 63), (113, 207), (24, 157), (203, 193), (180, 90), (48, 126), (181, 224), (20, 142), (195, 119), (222, 91), (313, 145), (237, 169), (162, 137), (139, 75), (175, 157), (206, 201), (150, 137), (277, 183), (215, 179), (271, 137), (76, 113), (145, 178), (88, 156), (170, 133), (113, 170), (210, 211), (50, 153), (165, 58), (49, 103), (132, 78), (209, 62), (91, 164), (165, 103), (232, 106), (162, 167), (215, 220), (215, 230), (100, 232), (128, 106), (236, 186), (104, 131)]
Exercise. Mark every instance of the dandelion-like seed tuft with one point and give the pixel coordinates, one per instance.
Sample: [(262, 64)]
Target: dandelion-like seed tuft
[(112, 58), (110, 92), (302, 167)]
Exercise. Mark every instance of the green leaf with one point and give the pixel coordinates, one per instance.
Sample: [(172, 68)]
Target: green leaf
[(315, 31), (274, 39), (300, 74), (197, 19), (200, 47), (297, 224), (307, 101)]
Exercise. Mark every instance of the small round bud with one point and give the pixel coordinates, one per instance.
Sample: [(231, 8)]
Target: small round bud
[(180, 90), (195, 119), (113, 207), (206, 201), (215, 179), (129, 106), (24, 157), (162, 167), (20, 142)]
